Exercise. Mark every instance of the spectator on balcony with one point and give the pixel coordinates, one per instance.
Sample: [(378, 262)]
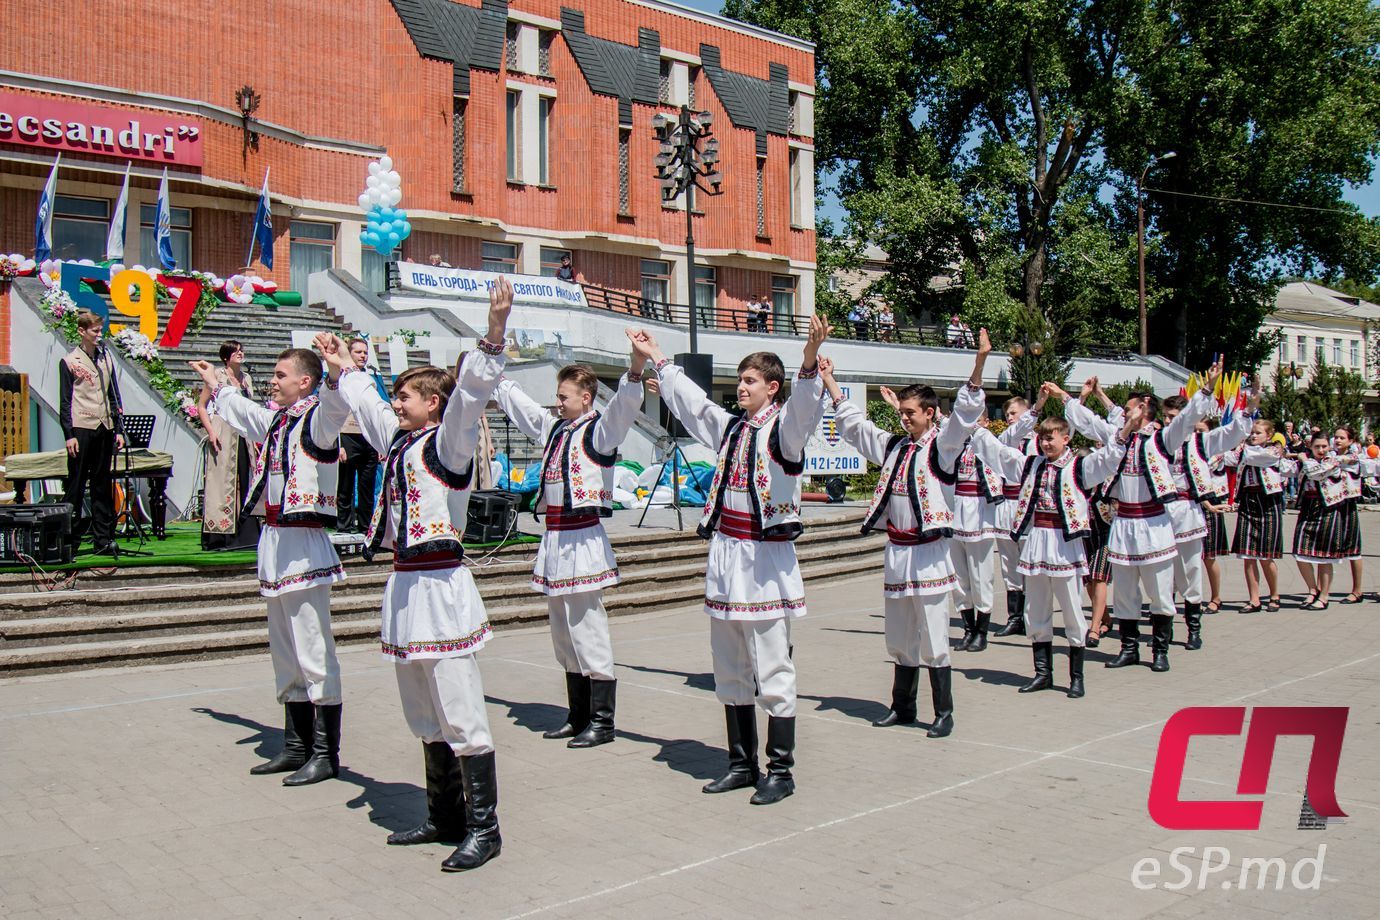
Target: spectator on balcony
[(958, 335), (859, 318), (886, 322), (758, 307), (437, 261), (565, 272)]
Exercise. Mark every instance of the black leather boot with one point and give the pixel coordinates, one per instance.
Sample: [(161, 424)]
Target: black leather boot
[(1075, 671), (1161, 634), (778, 783), (969, 630), (325, 749), (294, 752), (741, 722), (1130, 645), (482, 841), (942, 694), (600, 728), (1015, 615), (1193, 616), (1044, 667), (445, 800), (979, 643), (904, 687), (577, 694)]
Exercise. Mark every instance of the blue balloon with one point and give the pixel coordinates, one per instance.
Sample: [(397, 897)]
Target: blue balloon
[(385, 248), (394, 238), (406, 230)]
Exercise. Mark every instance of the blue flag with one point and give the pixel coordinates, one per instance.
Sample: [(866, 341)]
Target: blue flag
[(162, 232), (263, 227), (43, 224)]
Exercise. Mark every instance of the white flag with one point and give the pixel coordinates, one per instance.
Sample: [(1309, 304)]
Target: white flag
[(115, 239)]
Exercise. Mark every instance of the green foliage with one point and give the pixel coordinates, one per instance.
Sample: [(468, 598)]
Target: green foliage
[(1281, 401), (1029, 371), (880, 413)]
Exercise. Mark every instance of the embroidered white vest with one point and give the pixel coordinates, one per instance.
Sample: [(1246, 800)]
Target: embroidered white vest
[(1332, 488), (1351, 484), (989, 480), (928, 482), (1157, 468), (1193, 469), (773, 483), (309, 469), (586, 474), (1267, 477), (427, 503), (1070, 497)]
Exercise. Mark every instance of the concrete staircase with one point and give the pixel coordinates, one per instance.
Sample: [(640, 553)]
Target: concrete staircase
[(153, 615)]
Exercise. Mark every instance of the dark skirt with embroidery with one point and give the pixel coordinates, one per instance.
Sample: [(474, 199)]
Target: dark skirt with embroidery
[(1259, 525), (1215, 543), (1099, 566), (1326, 534)]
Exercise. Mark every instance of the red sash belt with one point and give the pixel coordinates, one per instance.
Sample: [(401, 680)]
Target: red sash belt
[(427, 562), (968, 488), (1011, 491), (271, 519), (908, 537), (742, 526), (559, 519), (1048, 519), (1139, 509)]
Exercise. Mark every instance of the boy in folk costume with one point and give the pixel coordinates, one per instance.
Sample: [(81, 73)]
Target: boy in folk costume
[(1196, 483), (433, 621), (978, 494), (294, 481), (752, 580), (912, 501), (1020, 424), (575, 561), (1053, 516), (1261, 469), (1322, 535), (1141, 546)]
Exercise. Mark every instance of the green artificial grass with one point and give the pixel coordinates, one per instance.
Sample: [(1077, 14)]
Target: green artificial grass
[(183, 547)]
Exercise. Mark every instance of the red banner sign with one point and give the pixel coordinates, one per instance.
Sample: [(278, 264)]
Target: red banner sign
[(73, 127)]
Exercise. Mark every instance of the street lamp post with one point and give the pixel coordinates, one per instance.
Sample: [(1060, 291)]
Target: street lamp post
[(1140, 245), (680, 165)]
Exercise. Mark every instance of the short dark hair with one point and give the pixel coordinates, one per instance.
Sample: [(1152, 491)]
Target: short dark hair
[(1318, 436), (427, 381), (1152, 402), (227, 349), (307, 361), (581, 375), (768, 365), (1350, 434), (1053, 424), (1175, 402), (88, 320), (921, 392)]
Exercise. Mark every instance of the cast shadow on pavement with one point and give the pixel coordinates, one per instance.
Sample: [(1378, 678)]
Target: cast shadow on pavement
[(684, 755), (693, 681), (268, 741), (535, 717), (862, 710), (989, 676), (858, 632), (392, 806)]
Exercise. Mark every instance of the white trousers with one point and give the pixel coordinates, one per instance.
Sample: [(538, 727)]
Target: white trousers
[(1188, 571), (443, 700), (580, 634), (752, 661), (303, 649), (1010, 552), (1156, 579), (1042, 592), (974, 564), (917, 630)]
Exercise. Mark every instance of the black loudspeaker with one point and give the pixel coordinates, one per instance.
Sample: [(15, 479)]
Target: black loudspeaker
[(492, 514), (42, 533), (699, 369)]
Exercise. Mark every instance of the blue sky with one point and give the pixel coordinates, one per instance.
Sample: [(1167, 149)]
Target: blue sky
[(1367, 198)]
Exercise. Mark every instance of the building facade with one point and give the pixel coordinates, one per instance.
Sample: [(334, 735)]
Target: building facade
[(522, 131), (1312, 319)]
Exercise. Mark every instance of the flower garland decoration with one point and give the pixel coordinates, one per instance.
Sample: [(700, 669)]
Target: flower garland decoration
[(14, 265)]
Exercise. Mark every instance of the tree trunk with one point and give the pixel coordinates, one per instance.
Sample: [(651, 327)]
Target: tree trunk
[(1034, 272)]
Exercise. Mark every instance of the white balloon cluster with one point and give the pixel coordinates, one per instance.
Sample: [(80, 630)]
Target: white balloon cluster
[(384, 185), (386, 224)]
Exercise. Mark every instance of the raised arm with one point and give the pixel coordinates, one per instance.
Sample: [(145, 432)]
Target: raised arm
[(1098, 466), (1224, 437), (459, 433), (1015, 434), (247, 417), (801, 414), (1319, 469), (1083, 420), (705, 421), (618, 416), (1008, 461), (969, 404), (531, 418), (377, 420)]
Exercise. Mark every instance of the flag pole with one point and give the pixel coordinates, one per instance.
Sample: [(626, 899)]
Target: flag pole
[(253, 237)]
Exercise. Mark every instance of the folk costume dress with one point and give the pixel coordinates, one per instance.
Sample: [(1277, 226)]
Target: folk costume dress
[(225, 524), (1215, 544), (1324, 532), (575, 560), (1260, 472)]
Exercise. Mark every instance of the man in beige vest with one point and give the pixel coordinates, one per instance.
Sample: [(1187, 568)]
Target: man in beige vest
[(89, 410)]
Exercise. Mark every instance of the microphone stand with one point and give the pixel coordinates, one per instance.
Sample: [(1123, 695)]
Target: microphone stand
[(118, 411)]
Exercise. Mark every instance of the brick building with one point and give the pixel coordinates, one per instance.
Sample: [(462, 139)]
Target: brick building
[(522, 131)]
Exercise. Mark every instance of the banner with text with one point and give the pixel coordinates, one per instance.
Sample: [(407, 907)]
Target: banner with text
[(474, 285), (828, 454)]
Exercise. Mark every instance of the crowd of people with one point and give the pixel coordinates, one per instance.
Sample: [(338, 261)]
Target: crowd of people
[(1141, 510)]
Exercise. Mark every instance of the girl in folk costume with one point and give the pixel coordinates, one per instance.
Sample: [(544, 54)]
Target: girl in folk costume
[(294, 482), (1195, 481), (575, 561), (433, 621), (1141, 547), (911, 501), (752, 580), (1102, 511), (1020, 423), (1053, 515), (1259, 537), (225, 524), (1215, 508), (1324, 533), (1349, 453)]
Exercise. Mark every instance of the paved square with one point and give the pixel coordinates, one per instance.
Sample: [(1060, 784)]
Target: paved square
[(126, 792)]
